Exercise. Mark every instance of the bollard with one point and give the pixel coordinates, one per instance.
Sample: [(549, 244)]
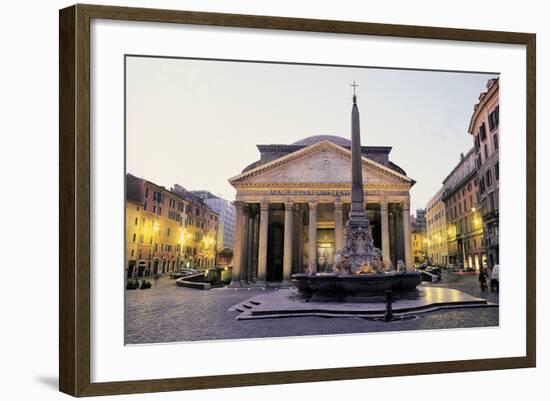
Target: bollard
[(389, 313)]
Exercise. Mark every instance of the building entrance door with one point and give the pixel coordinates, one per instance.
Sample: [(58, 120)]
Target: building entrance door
[(325, 257), (275, 241), (131, 268)]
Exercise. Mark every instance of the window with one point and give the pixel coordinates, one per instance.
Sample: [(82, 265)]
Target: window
[(485, 150), (489, 178), (493, 119), (146, 192), (496, 171), (136, 222), (134, 238), (482, 134), (482, 185), (476, 143), (495, 142)]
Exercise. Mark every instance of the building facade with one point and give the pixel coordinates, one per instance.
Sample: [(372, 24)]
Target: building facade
[(162, 232), (226, 223), (436, 230), (464, 222), (419, 247), (200, 230), (154, 228), (292, 203), (484, 128), (419, 237), (419, 221)]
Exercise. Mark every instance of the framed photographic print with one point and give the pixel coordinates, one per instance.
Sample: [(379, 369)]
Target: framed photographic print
[(250, 200)]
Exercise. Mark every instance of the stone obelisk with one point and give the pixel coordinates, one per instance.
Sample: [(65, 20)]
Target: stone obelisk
[(358, 254), (357, 216)]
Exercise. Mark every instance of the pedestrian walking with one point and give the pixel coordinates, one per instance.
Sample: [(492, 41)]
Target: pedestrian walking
[(482, 279)]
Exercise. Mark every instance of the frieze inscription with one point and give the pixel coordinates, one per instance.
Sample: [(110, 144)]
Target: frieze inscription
[(320, 192)]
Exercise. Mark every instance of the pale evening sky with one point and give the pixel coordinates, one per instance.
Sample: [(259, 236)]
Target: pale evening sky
[(197, 122)]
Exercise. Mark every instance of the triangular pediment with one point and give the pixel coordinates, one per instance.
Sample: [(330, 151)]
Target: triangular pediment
[(322, 162)]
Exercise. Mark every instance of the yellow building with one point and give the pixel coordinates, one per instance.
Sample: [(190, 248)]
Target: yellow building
[(436, 230), (135, 265), (419, 246), (200, 230), (154, 229)]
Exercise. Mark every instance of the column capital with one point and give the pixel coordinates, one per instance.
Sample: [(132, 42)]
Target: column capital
[(312, 206), (384, 206), (242, 206), (338, 204), (406, 204), (264, 205), (289, 204)]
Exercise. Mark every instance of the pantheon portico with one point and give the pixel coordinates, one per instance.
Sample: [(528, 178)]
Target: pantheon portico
[(292, 205)]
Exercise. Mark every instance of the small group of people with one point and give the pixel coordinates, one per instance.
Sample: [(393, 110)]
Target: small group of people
[(493, 276)]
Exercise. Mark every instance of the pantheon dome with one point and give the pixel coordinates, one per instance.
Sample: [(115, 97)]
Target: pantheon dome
[(270, 152), (310, 140)]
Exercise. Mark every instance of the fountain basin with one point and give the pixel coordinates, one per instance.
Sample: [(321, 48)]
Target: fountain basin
[(334, 285)]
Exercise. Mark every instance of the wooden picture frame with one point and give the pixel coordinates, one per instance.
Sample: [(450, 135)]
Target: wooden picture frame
[(74, 199)]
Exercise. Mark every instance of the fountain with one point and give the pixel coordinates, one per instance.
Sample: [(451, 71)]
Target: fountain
[(358, 267)]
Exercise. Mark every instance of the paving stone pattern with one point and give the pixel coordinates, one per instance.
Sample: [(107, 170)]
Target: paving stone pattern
[(167, 313)]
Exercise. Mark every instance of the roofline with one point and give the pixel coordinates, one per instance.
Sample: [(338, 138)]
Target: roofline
[(488, 94), (317, 144), (459, 164), (164, 188), (275, 146), (451, 191)]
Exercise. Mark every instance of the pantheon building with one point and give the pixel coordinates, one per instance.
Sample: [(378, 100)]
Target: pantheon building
[(293, 203)]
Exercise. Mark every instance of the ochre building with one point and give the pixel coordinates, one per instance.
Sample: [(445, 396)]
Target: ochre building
[(464, 223), (166, 231), (436, 230)]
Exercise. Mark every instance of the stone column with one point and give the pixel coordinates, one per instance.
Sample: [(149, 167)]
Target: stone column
[(385, 234), (313, 238), (287, 250), (237, 246), (338, 228), (407, 234), (244, 243), (252, 246), (262, 250)]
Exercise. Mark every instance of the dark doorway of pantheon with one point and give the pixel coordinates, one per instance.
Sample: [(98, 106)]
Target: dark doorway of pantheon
[(275, 241)]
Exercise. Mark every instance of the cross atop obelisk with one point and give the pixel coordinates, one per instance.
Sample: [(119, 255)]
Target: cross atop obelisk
[(354, 85)]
